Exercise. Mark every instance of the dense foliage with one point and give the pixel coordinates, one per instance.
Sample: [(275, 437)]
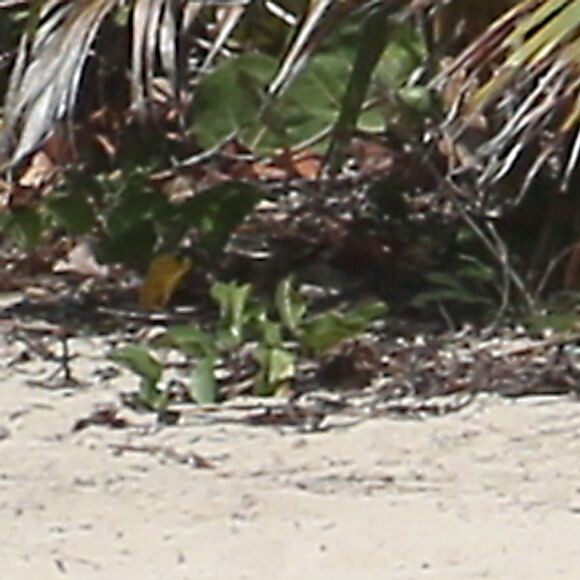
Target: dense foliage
[(423, 152)]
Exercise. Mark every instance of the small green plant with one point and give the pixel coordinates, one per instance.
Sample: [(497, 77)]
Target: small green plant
[(139, 360), (276, 336), (131, 219), (471, 285)]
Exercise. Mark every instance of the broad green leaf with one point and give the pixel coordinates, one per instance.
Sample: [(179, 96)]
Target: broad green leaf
[(310, 105), (24, 225), (271, 333), (232, 101), (133, 247), (330, 328), (403, 53), (203, 387), (130, 206), (218, 211), (229, 99), (73, 211)]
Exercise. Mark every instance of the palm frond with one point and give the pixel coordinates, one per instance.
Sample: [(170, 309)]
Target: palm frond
[(533, 93), (46, 77), (49, 65)]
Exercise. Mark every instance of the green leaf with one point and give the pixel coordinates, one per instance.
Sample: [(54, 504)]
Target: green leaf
[(445, 280), (139, 360), (133, 206), (277, 367), (203, 387), (271, 333), (228, 100), (330, 328), (191, 340), (291, 306), (404, 52), (218, 211), (232, 101), (72, 211), (234, 312), (25, 226), (309, 105), (133, 246)]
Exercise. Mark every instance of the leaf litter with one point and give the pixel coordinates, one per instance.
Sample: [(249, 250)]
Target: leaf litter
[(339, 251), (414, 375)]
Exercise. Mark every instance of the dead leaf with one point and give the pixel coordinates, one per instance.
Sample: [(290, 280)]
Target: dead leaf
[(163, 277), (39, 173), (81, 260)]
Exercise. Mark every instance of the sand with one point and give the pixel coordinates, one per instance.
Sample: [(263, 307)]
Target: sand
[(492, 491)]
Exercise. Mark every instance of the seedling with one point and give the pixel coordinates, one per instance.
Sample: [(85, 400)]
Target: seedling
[(277, 336)]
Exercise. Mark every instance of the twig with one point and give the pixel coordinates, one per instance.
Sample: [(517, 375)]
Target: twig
[(190, 458), (552, 265)]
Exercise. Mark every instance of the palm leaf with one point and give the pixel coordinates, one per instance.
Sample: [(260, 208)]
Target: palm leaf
[(534, 91), (46, 77)]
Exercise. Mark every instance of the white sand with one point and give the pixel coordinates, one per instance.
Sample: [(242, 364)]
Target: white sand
[(490, 492)]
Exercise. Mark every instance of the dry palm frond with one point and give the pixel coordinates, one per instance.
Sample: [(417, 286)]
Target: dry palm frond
[(532, 97), (48, 68), (51, 60)]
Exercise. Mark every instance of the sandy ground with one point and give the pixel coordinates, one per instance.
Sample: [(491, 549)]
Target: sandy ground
[(490, 492)]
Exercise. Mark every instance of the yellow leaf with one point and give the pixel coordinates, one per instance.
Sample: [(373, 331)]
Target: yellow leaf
[(163, 276)]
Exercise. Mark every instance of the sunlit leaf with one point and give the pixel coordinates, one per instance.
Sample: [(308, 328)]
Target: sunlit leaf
[(229, 99), (232, 101), (140, 361)]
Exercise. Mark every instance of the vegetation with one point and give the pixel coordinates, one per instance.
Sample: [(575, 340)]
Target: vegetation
[(421, 152), (244, 322)]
